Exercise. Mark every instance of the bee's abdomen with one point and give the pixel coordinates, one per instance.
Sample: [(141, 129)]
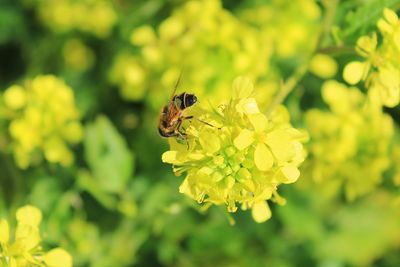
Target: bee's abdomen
[(166, 133)]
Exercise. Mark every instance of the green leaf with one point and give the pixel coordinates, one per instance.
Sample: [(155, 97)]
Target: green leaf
[(366, 16), (108, 156), (88, 183)]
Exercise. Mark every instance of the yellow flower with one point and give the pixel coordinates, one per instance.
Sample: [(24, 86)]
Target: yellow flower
[(129, 76), (381, 69), (95, 17), (207, 39), (15, 97), (242, 158), (43, 118), (77, 55), (299, 31), (4, 231), (350, 143), (57, 258), (323, 66), (29, 215), (26, 249)]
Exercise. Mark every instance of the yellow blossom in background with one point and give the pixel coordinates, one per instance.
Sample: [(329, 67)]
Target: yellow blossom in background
[(205, 41), (323, 66), (92, 16), (288, 37), (242, 159), (381, 69), (77, 55), (130, 76), (42, 118), (350, 143), (26, 250)]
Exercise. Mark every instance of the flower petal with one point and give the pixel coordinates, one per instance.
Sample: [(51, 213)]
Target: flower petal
[(209, 141), (29, 235), (323, 66), (244, 139), (242, 88), (263, 157), (291, 173), (58, 258), (29, 215), (353, 72), (169, 157), (390, 16), (261, 212), (4, 231), (367, 44), (15, 97), (281, 144), (259, 122), (247, 106)]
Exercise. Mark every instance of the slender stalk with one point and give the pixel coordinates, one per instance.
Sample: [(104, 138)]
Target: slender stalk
[(15, 176), (287, 87), (333, 50), (298, 75)]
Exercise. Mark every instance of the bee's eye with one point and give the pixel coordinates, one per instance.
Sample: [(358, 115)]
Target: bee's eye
[(190, 100)]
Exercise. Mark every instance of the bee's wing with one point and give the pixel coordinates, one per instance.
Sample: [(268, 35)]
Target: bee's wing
[(176, 86), (171, 110)]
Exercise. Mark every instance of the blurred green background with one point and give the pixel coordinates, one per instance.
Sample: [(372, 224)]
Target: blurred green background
[(115, 203)]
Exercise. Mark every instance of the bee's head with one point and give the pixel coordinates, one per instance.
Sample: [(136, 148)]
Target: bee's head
[(185, 100), (190, 100)]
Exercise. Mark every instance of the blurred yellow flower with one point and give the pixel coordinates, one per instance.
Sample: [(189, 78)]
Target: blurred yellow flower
[(299, 31), (131, 78), (243, 159), (29, 215), (349, 143), (26, 249), (57, 258), (323, 66), (15, 97), (43, 118), (77, 55), (204, 40), (381, 69), (93, 16)]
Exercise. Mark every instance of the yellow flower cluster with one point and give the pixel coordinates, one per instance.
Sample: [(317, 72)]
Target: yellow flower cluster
[(202, 39), (290, 37), (350, 143), (92, 16), (26, 249), (381, 69), (241, 158), (43, 117)]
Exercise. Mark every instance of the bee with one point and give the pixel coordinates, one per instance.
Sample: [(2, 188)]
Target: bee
[(171, 115)]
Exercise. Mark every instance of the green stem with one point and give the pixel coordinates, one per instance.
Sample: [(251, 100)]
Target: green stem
[(292, 82), (15, 178), (330, 6), (287, 87), (334, 50)]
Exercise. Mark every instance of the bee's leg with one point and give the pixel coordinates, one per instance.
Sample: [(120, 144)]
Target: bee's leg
[(181, 136)]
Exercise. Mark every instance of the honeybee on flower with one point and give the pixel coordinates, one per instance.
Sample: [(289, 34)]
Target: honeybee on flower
[(171, 116), (244, 160)]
